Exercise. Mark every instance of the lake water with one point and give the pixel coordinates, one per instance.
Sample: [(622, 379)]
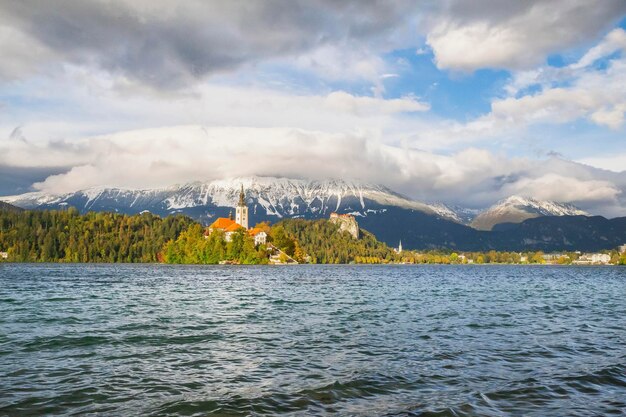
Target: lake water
[(312, 340)]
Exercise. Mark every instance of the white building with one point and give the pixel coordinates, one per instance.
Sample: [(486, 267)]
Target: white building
[(593, 259), (4, 255), (260, 237), (622, 249)]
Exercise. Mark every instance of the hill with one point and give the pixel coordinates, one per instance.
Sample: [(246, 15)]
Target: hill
[(67, 236), (562, 233), (9, 207), (323, 242)]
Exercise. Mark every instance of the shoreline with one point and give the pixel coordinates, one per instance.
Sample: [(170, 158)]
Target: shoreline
[(311, 264)]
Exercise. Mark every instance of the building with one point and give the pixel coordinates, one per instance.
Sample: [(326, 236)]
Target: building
[(549, 257), (593, 259), (241, 211), (229, 226), (4, 255), (260, 237), (621, 249), (224, 224), (346, 223)]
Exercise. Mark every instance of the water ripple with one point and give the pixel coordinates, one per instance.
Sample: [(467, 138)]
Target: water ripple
[(312, 340)]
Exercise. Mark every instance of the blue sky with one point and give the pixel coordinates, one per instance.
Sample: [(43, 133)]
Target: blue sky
[(440, 101)]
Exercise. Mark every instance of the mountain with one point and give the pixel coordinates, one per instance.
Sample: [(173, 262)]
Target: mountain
[(516, 209), (9, 207), (559, 233), (390, 216), (269, 198)]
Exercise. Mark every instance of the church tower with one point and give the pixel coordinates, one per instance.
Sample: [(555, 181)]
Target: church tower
[(241, 211)]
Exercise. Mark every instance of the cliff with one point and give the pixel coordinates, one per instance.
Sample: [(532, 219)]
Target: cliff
[(346, 223)]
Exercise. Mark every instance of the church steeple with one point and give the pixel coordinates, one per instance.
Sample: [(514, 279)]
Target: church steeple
[(399, 249), (241, 211), (242, 197)]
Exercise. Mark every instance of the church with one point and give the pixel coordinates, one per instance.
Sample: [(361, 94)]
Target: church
[(230, 226)]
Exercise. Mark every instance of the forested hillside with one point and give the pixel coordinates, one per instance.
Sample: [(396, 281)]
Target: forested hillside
[(67, 236), (323, 243)]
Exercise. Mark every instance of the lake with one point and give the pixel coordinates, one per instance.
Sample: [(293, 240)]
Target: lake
[(312, 340)]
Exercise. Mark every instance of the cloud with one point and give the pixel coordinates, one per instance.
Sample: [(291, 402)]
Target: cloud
[(555, 187), (613, 162), (96, 110), (345, 102), (546, 96), (586, 96), (74, 71), (614, 41), (164, 156), (22, 53), (513, 34), (174, 44)]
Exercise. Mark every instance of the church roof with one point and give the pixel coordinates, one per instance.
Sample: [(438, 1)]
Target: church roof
[(233, 227), (222, 223)]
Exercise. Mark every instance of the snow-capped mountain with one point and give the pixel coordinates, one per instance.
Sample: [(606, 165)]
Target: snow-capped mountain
[(390, 216), (459, 214), (269, 198), (516, 209)]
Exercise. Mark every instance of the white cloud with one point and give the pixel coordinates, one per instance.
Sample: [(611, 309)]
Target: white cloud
[(100, 71), (613, 162), (588, 96), (614, 41), (95, 107), (156, 157), (558, 96), (561, 188), (347, 103), (513, 34)]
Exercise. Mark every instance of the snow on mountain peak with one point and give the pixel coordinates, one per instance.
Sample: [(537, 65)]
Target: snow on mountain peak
[(545, 208), (276, 196), (284, 197), (515, 209)]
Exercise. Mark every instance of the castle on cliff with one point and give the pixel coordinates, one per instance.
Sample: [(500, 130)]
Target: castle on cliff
[(346, 223)]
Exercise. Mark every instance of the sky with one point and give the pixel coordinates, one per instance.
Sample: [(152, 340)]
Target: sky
[(454, 101)]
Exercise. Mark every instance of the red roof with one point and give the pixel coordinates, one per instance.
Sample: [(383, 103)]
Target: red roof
[(233, 227), (255, 231), (222, 223)]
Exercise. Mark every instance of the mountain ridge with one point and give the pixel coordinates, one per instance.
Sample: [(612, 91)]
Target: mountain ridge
[(516, 209), (390, 216), (279, 197)]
